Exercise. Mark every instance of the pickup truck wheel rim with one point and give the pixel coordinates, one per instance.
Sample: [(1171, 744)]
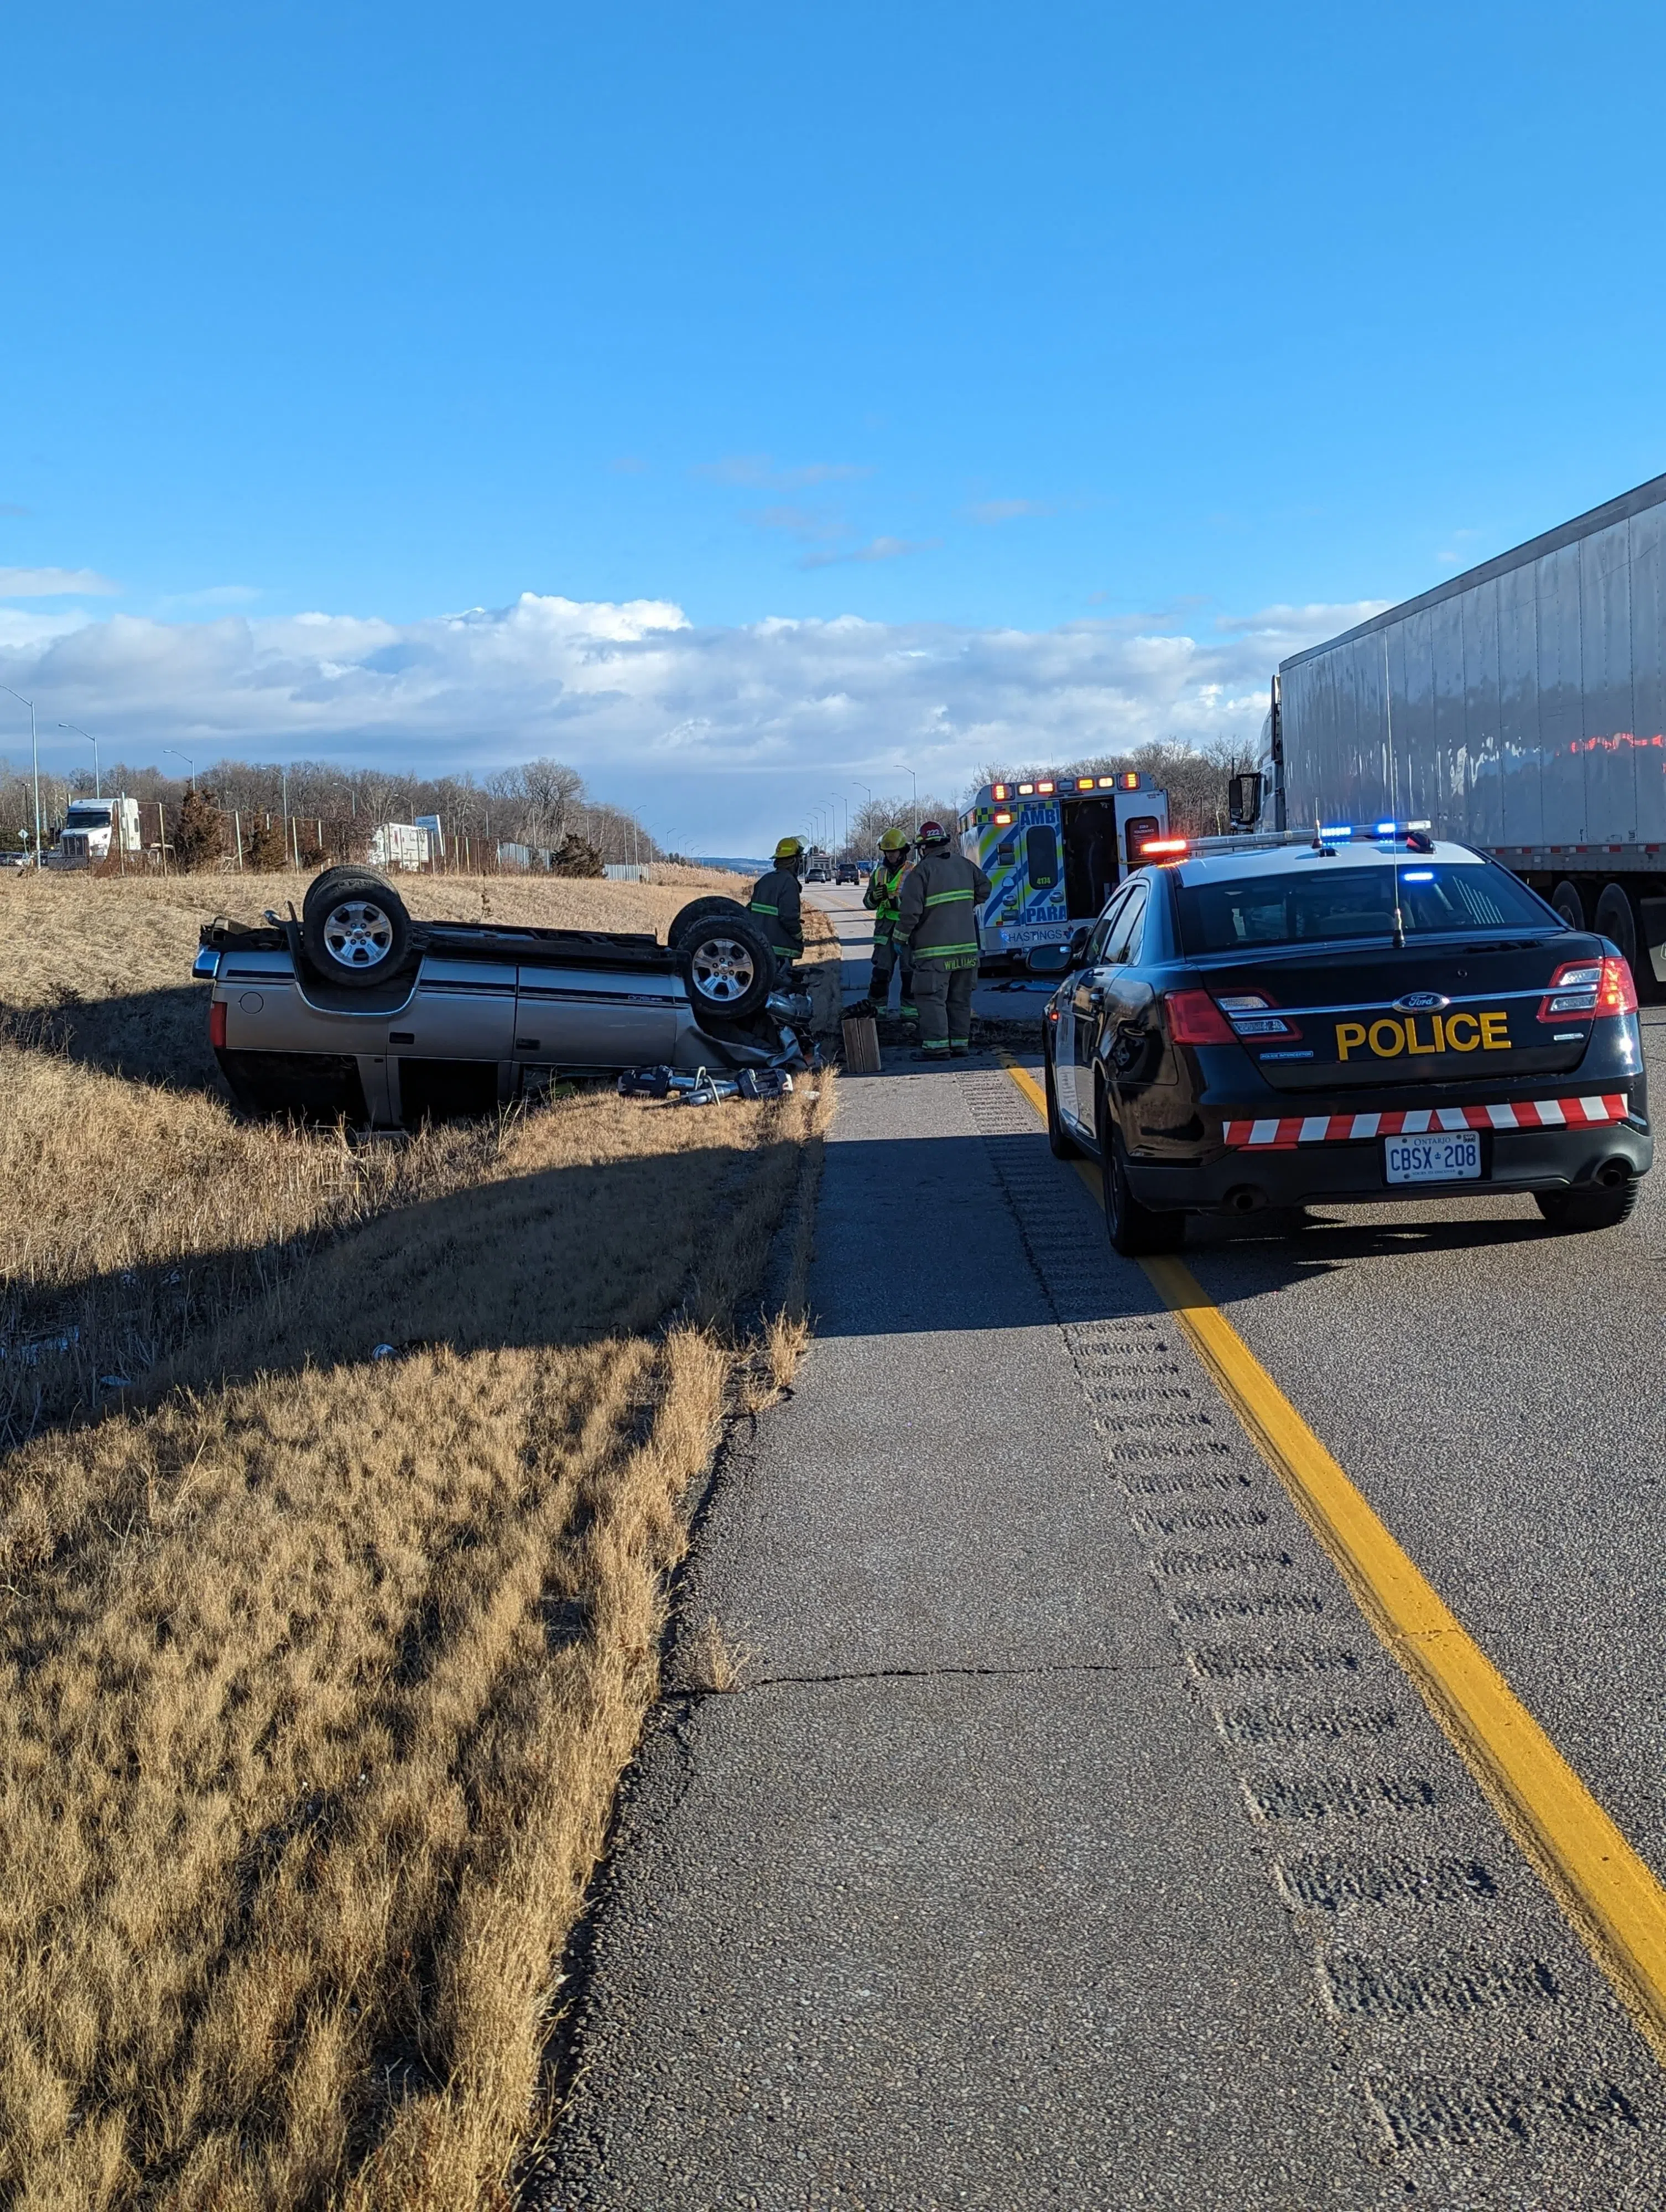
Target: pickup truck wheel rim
[(723, 969), (358, 934)]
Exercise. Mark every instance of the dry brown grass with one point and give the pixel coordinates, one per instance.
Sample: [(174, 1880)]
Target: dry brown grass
[(126, 1222), (317, 1673)]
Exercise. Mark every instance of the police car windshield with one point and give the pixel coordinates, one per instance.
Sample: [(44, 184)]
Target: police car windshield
[(1333, 903)]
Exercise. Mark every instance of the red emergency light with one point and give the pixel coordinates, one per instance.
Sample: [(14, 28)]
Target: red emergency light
[(1160, 847), (1131, 780), (999, 791)]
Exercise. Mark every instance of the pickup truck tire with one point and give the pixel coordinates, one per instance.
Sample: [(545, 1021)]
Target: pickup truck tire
[(696, 911), (728, 967), (353, 927)]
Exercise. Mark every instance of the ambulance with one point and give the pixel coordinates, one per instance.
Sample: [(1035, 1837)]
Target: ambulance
[(1054, 848)]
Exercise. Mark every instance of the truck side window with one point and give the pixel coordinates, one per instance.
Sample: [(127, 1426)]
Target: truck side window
[(1128, 928), (1041, 853)]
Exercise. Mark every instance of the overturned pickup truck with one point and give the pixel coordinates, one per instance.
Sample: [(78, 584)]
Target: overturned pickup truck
[(356, 1010)]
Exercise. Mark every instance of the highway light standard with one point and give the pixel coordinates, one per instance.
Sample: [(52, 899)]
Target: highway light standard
[(98, 788), (915, 781), (34, 746), (191, 772)]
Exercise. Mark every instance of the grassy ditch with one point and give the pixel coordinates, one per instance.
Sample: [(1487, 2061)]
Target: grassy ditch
[(135, 1210), (318, 1668)]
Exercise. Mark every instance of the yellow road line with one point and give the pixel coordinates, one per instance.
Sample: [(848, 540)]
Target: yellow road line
[(1611, 1897)]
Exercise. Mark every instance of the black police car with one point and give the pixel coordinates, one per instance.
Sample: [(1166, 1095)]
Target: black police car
[(1366, 1015)]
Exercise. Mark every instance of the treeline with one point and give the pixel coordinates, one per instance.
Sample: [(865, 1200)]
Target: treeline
[(542, 805), (1196, 778)]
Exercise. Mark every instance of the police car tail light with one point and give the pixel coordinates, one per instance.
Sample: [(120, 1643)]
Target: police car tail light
[(1574, 989), (1195, 1018), (218, 1024), (1253, 1015), (1617, 994)]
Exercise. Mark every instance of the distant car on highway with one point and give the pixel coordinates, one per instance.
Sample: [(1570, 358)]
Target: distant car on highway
[(818, 873), (360, 1011), (848, 872), (1356, 1017)]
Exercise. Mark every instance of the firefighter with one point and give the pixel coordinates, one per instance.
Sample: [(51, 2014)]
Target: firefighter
[(884, 887), (937, 918), (778, 903)]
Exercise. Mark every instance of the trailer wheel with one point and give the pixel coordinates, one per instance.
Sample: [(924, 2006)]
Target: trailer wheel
[(1568, 903), (696, 911), (354, 926), (1616, 918)]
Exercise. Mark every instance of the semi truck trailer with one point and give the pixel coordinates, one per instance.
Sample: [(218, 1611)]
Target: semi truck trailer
[(1519, 709)]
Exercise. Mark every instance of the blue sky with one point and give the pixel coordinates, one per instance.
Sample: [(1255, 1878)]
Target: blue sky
[(1066, 341)]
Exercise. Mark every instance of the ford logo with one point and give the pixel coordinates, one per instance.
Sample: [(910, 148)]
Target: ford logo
[(1421, 1002)]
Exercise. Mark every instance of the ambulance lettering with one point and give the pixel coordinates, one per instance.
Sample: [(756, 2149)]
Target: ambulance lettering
[(1387, 1039)]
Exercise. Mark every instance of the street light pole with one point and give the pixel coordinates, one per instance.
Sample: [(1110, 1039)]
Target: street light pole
[(915, 781), (34, 747), (98, 788), (191, 772)]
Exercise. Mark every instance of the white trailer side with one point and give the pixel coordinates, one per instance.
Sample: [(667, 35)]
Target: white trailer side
[(1521, 708)]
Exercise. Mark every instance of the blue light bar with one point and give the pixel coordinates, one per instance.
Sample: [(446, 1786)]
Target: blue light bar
[(1335, 829), (1388, 829), (1418, 876)]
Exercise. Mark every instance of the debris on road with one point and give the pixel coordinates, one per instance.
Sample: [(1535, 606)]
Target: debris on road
[(702, 1088)]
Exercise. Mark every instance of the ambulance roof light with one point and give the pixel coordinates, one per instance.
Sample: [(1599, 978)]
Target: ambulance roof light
[(1043, 786), (1131, 780), (1025, 790), (999, 791)]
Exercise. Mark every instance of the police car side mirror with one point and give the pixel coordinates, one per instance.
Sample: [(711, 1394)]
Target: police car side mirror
[(1079, 945)]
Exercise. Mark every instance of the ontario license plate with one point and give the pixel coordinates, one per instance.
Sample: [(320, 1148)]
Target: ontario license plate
[(1432, 1159)]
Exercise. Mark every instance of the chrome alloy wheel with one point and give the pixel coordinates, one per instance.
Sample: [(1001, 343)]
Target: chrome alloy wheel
[(722, 970), (357, 934)]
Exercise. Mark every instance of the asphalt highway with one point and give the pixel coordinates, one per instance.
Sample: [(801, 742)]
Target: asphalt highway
[(1073, 1839)]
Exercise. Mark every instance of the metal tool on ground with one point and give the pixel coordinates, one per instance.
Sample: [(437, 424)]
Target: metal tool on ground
[(702, 1088)]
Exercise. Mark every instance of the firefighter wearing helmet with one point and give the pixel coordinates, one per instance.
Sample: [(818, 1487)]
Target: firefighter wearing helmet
[(937, 919), (778, 903), (885, 890)]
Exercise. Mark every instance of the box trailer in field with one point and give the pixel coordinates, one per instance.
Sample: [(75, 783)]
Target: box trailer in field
[(1520, 708)]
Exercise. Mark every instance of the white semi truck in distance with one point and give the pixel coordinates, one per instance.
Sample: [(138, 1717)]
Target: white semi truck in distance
[(90, 828), (1520, 708)]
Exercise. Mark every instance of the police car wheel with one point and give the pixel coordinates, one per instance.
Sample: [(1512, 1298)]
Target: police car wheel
[(1573, 1211), (1060, 1142), (1135, 1230)]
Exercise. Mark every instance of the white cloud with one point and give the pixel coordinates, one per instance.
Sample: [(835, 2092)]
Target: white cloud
[(760, 472), (881, 548), (1006, 510), (711, 732), (1302, 625), (54, 584), (214, 595)]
